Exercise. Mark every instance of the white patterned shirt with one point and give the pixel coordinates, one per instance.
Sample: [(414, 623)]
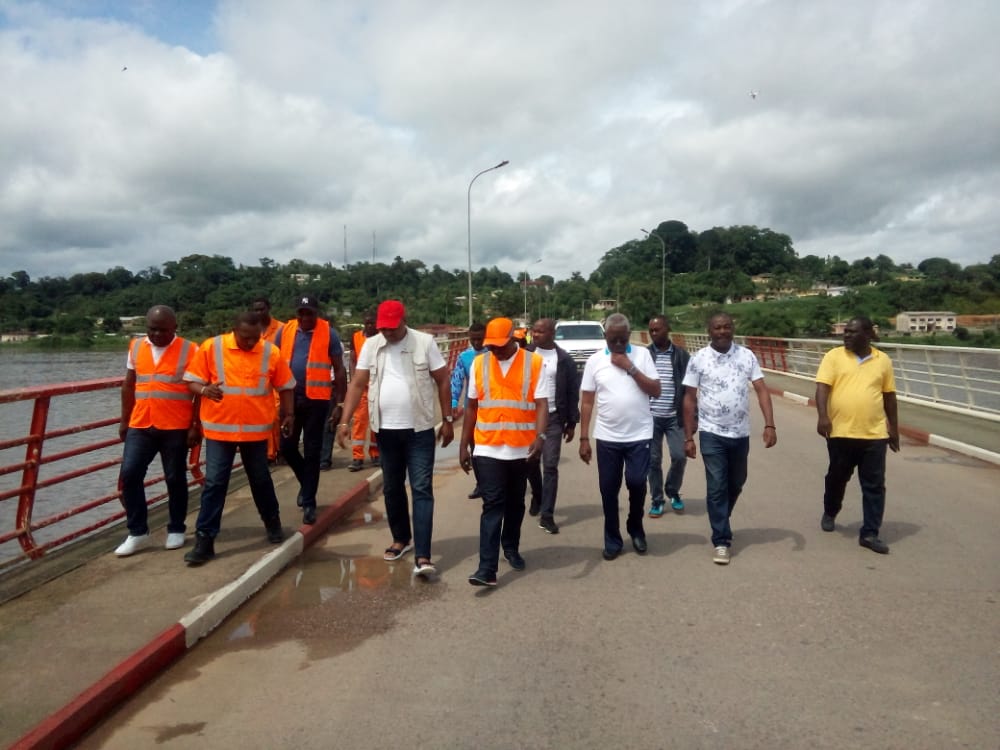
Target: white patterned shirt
[(722, 380)]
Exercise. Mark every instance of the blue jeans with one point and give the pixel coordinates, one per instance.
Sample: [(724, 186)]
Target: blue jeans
[(869, 458), (666, 427), (219, 456), (310, 422), (141, 446), (725, 462), (612, 459), (502, 484), (409, 453)]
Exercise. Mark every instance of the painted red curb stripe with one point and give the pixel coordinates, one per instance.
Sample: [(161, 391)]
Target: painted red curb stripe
[(67, 725)]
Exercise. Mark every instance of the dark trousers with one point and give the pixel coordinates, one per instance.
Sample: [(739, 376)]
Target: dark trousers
[(141, 446), (310, 421), (502, 484), (666, 428), (725, 460), (868, 456), (407, 453), (612, 460), (543, 476), (219, 455)]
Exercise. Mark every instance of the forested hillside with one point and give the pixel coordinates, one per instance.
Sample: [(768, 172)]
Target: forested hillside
[(708, 268)]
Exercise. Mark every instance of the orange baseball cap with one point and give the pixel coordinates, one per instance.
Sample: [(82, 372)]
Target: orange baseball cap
[(498, 332)]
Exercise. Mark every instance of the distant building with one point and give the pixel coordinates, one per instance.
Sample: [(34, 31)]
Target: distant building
[(605, 304), (925, 322)]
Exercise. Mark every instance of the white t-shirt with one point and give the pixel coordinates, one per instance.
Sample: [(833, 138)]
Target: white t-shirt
[(550, 359), (623, 414), (156, 350), (723, 394), (395, 409), (506, 452)]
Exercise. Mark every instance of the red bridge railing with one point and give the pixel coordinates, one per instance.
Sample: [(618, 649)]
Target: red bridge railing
[(48, 468)]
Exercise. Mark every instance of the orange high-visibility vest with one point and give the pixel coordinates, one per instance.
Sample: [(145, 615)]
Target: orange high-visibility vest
[(246, 411), (318, 364), (506, 404), (162, 398), (272, 329)]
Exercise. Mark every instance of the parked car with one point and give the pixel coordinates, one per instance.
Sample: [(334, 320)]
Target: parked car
[(580, 338)]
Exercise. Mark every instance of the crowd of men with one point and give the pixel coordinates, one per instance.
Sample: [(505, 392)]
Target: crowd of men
[(268, 389)]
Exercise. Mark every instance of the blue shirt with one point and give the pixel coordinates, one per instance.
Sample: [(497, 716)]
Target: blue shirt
[(460, 375)]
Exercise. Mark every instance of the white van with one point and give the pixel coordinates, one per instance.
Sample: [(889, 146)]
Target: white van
[(580, 338)]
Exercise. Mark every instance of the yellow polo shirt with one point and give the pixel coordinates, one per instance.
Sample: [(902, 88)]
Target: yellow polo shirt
[(855, 407)]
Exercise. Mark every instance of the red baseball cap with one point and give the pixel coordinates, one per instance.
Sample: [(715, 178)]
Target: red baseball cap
[(390, 314)]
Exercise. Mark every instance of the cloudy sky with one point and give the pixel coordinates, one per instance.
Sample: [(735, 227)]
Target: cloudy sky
[(137, 132)]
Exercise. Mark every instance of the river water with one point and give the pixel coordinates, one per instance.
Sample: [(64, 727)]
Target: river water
[(21, 369)]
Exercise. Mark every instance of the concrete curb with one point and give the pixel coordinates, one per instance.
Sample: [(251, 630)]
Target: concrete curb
[(920, 436), (67, 725)]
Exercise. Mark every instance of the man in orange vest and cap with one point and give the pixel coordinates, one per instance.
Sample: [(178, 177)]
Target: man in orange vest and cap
[(236, 374), (312, 349), (506, 419), (159, 415), (360, 423)]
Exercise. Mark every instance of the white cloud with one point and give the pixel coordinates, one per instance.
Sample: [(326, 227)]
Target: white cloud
[(876, 130)]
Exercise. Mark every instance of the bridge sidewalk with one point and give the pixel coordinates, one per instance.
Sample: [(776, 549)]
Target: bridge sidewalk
[(136, 615)]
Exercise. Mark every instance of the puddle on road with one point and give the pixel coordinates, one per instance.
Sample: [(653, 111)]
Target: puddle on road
[(330, 602)]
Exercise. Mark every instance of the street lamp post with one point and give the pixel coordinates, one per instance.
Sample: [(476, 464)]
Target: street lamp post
[(469, 215), (663, 270)]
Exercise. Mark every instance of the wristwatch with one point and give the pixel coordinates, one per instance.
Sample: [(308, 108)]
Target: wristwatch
[(449, 419)]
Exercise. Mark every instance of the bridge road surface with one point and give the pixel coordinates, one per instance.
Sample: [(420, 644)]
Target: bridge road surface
[(805, 640)]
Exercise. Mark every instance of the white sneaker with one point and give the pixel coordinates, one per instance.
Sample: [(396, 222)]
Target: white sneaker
[(721, 556), (175, 540), (424, 570), (133, 544)]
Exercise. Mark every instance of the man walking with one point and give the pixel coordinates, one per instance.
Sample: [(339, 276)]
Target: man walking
[(503, 431), (403, 371), (460, 379), (235, 374), (158, 416), (360, 424), (717, 402), (621, 379), (312, 350), (857, 414), (668, 418), (269, 329), (563, 384)]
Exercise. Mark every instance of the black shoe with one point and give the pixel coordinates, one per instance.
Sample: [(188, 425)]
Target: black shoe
[(475, 494), (308, 516), (535, 508), (545, 522), (356, 465), (202, 552), (325, 466), (826, 523), (515, 560), (275, 534), (482, 578), (609, 555), (298, 499), (874, 544), (639, 543), (377, 461)]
